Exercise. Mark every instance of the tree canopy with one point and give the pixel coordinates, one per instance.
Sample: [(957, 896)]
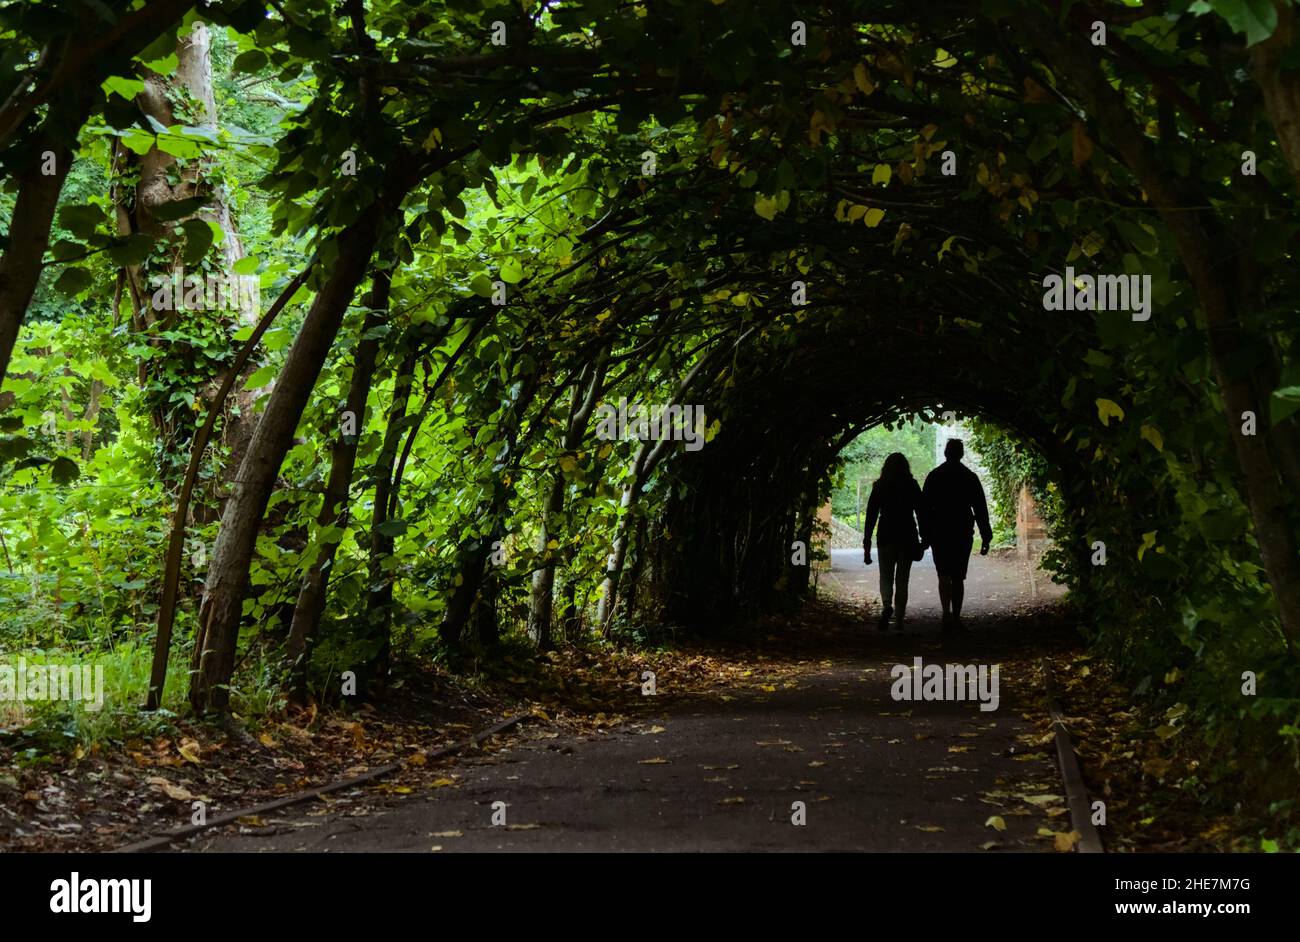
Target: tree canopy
[(469, 225)]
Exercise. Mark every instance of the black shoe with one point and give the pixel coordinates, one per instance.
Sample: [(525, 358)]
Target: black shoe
[(883, 625), (947, 622), (958, 626)]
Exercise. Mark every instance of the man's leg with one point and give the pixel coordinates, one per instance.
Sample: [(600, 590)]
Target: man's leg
[(940, 555), (957, 592)]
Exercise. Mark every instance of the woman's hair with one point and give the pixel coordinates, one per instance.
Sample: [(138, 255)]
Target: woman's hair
[(895, 469)]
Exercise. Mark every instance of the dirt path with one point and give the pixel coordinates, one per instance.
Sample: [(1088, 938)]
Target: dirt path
[(723, 772)]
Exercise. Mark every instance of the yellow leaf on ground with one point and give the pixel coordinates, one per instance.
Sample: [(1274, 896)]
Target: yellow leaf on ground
[(996, 823), (1065, 842)]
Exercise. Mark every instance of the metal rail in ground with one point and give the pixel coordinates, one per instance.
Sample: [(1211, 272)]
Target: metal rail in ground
[(1076, 794)]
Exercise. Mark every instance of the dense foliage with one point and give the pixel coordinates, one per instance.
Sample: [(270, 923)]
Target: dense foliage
[(485, 219), (860, 462)]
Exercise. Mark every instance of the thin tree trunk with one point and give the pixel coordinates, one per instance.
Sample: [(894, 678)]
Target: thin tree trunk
[(219, 615), (379, 598), (334, 509), (541, 601), (475, 557)]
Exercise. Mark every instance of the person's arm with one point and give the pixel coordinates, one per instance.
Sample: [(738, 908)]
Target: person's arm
[(981, 508), (873, 511), (922, 512)]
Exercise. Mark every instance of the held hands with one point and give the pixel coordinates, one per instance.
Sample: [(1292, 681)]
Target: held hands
[(984, 547), (920, 553)]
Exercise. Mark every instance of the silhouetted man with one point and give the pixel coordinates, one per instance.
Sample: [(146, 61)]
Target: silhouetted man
[(954, 500)]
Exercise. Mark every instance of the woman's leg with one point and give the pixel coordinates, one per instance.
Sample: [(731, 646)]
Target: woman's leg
[(900, 585), (888, 558)]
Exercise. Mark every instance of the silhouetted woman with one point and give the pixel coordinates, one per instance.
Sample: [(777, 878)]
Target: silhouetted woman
[(896, 501)]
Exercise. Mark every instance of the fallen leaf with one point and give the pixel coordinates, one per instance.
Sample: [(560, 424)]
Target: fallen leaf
[(1065, 842), (173, 791), (996, 822), (1041, 800), (657, 760)]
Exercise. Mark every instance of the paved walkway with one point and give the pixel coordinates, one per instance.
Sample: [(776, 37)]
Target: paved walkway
[(725, 772)]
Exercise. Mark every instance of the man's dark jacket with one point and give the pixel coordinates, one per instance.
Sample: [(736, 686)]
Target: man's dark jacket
[(954, 504)]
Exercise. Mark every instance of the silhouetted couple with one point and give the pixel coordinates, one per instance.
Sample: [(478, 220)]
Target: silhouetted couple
[(942, 516)]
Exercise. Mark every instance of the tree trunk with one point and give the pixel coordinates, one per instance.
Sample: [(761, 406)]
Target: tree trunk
[(67, 83), (334, 509), (1280, 84), (162, 179), (219, 615), (29, 233), (475, 558), (379, 598), (541, 601)]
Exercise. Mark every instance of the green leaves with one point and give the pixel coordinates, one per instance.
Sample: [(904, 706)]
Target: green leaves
[(511, 271), (81, 219), (198, 239), (1284, 403), (262, 376), (125, 87), (254, 60), (64, 470), (1107, 409), (174, 210), (1256, 18), (392, 528), (74, 281), (769, 206)]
